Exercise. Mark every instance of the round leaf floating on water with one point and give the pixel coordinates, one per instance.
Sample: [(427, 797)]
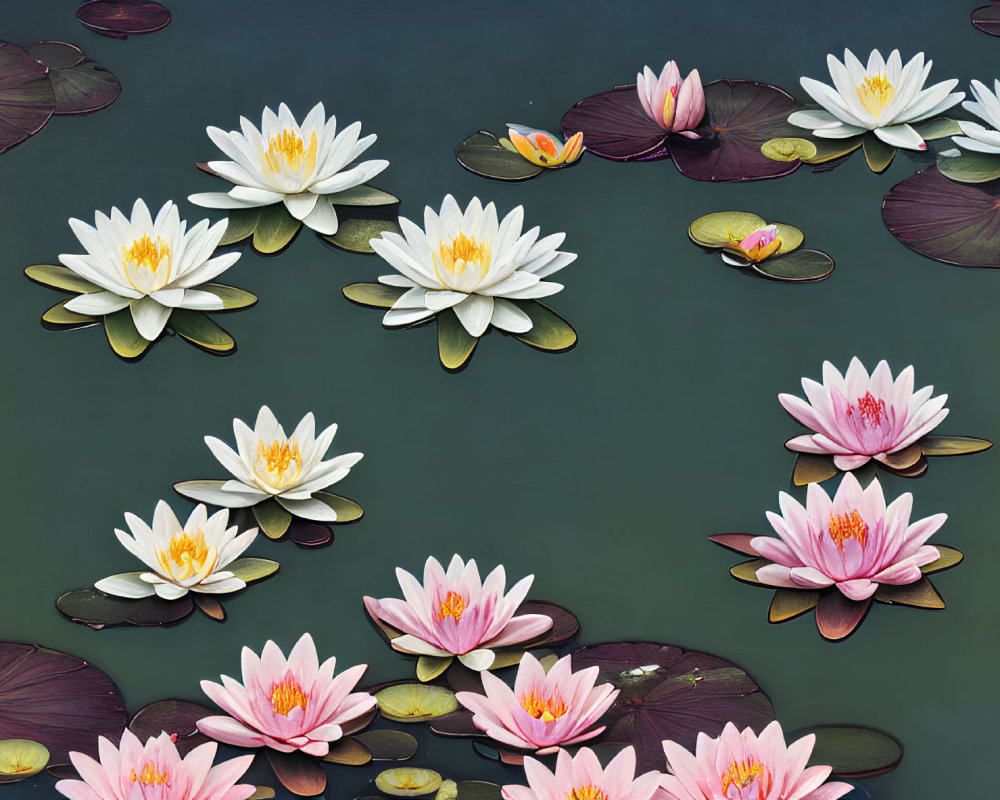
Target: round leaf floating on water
[(99, 610), (483, 153), (21, 758), (27, 101), (120, 19), (415, 702), (789, 149), (300, 774), (79, 85), (853, 751), (408, 781), (987, 19), (970, 167), (389, 745), (615, 126), (179, 718)]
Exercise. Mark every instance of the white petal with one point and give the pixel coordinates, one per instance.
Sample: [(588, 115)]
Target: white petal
[(475, 313), (150, 317), (96, 303), (220, 200), (127, 584), (323, 217), (901, 136), (308, 509), (508, 317), (300, 205)]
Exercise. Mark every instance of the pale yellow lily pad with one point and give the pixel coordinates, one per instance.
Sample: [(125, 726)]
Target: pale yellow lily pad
[(408, 781), (21, 758), (724, 227), (788, 149), (415, 702)]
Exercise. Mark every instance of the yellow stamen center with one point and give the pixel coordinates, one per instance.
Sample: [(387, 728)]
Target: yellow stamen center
[(876, 93), (744, 776), (588, 792), (848, 526), (286, 696), (281, 462), (151, 776), (544, 709), (187, 555), (287, 152), (453, 605), (455, 255), (142, 261)]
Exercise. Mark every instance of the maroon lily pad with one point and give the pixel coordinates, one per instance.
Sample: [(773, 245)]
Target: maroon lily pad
[(57, 699), (120, 19), (616, 127), (837, 617), (742, 115), (299, 773), (670, 693), (565, 624), (738, 542), (457, 723), (80, 85), (26, 98), (98, 610), (987, 19), (952, 222), (310, 534), (178, 718)]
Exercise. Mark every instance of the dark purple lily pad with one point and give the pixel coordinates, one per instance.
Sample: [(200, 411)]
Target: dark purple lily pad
[(565, 624), (177, 717), (987, 19), (670, 693), (56, 55), (951, 222), (310, 534), (26, 98), (742, 115), (616, 127), (99, 610), (57, 699), (299, 773), (80, 85), (120, 19)]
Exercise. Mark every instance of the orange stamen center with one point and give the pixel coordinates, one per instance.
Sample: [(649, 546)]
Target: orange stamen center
[(848, 526), (744, 776), (453, 605), (544, 709), (286, 696), (588, 792), (151, 776)]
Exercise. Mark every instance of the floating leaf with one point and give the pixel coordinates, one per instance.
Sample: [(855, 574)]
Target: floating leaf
[(949, 557), (242, 223), (354, 233), (98, 610), (483, 155), (905, 458), (123, 336), (209, 606), (264, 793), (26, 98), (408, 781), (455, 344), (812, 468), (790, 603), (415, 702), (746, 571), (799, 265), (348, 751), (59, 277), (231, 297), (58, 318), (549, 331), (386, 745), (252, 569), (921, 594), (347, 510), (21, 758), (56, 55), (915, 470), (722, 228), (565, 624), (120, 19), (987, 19), (457, 723), (789, 149), (478, 790), (310, 534), (837, 617), (878, 154), (429, 667), (738, 542), (937, 128), (956, 223), (272, 518), (275, 229), (854, 751), (202, 331), (299, 773), (178, 718), (970, 167), (373, 295), (616, 127), (84, 88), (447, 791), (953, 445)]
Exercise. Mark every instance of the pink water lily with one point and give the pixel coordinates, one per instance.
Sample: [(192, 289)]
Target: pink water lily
[(155, 771), (581, 777), (857, 417), (852, 541), (760, 244), (675, 105), (743, 766), (543, 711), (455, 613), (287, 705)]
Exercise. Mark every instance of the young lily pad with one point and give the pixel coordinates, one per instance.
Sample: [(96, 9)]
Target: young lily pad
[(354, 232), (202, 331), (242, 224), (388, 745), (408, 781), (348, 511), (231, 297), (549, 331), (120, 19), (299, 773), (272, 518), (373, 295), (21, 758), (79, 85), (61, 278), (98, 610), (275, 229), (123, 336), (72, 703), (249, 570), (955, 223), (58, 318), (799, 265), (970, 167), (670, 693), (789, 149), (616, 127), (27, 101), (178, 718), (726, 228), (878, 154), (415, 702), (482, 154), (455, 345), (987, 19), (854, 751), (837, 617)]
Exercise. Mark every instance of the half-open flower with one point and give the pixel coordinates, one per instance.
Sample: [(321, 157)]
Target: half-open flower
[(987, 107), (581, 777), (183, 558), (544, 711), (287, 705), (267, 464), (852, 541), (743, 766), (471, 263), (543, 148), (675, 105), (857, 418), (302, 166), (151, 266), (155, 770), (454, 613), (759, 244), (884, 97)]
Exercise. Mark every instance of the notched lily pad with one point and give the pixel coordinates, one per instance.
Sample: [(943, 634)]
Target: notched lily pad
[(98, 610), (373, 295), (408, 781), (415, 702), (483, 154), (854, 751), (79, 85), (27, 101), (616, 127), (21, 758), (389, 745), (799, 265), (178, 718), (120, 19)]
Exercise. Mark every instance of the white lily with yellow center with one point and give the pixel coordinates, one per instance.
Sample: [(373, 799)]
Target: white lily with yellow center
[(987, 107), (883, 97), (267, 464), (470, 262), (183, 558), (302, 166), (149, 265)]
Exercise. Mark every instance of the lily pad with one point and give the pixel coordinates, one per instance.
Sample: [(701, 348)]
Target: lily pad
[(58, 318), (951, 222), (970, 167), (297, 772), (231, 297), (310, 534), (388, 745), (549, 331), (565, 624), (670, 693), (123, 336), (79, 85), (120, 19), (241, 225), (408, 781), (178, 718), (987, 19), (813, 468), (854, 751), (789, 149), (57, 699), (949, 557), (837, 617), (272, 518), (478, 790), (209, 606), (799, 265), (348, 751), (953, 445), (737, 542), (27, 101), (21, 758), (98, 610), (56, 55), (616, 127), (455, 344), (275, 229), (938, 128), (429, 667), (743, 115), (920, 594), (746, 571), (415, 702), (725, 228), (790, 603), (878, 154), (348, 511), (61, 278), (373, 295), (252, 569), (482, 154), (355, 231), (202, 331)]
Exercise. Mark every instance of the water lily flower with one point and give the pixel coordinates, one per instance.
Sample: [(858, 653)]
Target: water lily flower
[(183, 558), (287, 705), (857, 418), (581, 777), (675, 105), (543, 148), (266, 464), (884, 97), (151, 266), (302, 166), (457, 614), (853, 542), (155, 771), (743, 766), (986, 106), (470, 263), (757, 246), (543, 712)]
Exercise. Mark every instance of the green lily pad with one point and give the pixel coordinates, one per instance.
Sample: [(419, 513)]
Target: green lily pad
[(455, 344), (813, 468), (949, 557), (348, 511), (970, 167), (722, 228), (262, 793), (354, 233), (249, 570), (348, 751), (483, 154), (790, 603), (789, 149), (83, 88), (98, 610), (937, 128), (878, 154), (799, 265), (242, 223), (59, 277), (388, 745), (26, 98), (953, 445), (123, 336), (231, 297), (854, 751), (202, 331), (408, 781), (59, 318), (479, 790), (272, 518), (920, 594), (549, 331), (362, 196), (415, 702), (429, 667), (373, 295), (275, 229), (830, 149), (21, 758), (56, 55)]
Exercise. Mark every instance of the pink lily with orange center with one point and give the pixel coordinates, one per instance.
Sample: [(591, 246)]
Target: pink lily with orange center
[(675, 105), (454, 613), (852, 541), (543, 148), (287, 705), (544, 711), (743, 766), (857, 418), (581, 777), (155, 771), (760, 244)]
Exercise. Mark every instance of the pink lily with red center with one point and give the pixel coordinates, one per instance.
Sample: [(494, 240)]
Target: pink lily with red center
[(675, 105), (287, 705), (544, 711), (454, 613), (857, 418), (852, 541), (581, 777), (155, 771), (743, 766)]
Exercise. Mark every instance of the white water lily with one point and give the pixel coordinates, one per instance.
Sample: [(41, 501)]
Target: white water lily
[(183, 558), (884, 97), (471, 263), (301, 166), (266, 464), (986, 106), (149, 265)]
